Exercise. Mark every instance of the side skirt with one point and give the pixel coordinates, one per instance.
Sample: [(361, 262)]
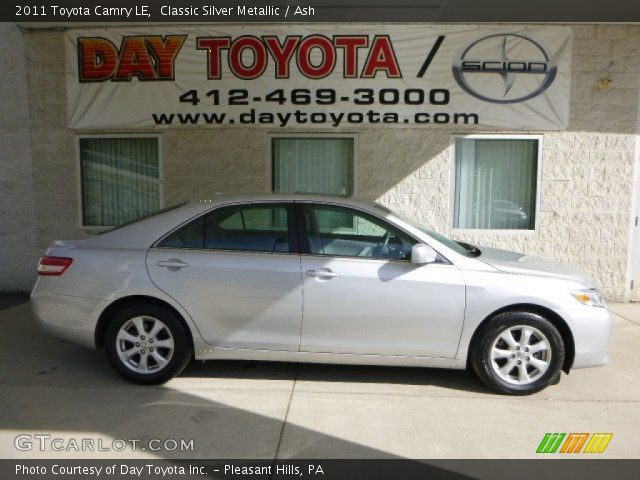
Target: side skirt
[(204, 351)]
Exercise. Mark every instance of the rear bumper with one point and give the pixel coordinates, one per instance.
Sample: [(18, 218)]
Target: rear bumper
[(70, 318), (591, 329)]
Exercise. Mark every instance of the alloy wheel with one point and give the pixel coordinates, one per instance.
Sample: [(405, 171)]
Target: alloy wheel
[(144, 344), (520, 354)]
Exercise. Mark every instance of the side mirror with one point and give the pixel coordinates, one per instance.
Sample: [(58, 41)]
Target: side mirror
[(422, 254)]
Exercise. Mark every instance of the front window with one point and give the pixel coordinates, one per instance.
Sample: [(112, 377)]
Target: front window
[(495, 183), (120, 179), (458, 247), (336, 231), (311, 165)]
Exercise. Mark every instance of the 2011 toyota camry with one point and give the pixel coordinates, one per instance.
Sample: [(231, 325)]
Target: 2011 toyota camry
[(316, 279)]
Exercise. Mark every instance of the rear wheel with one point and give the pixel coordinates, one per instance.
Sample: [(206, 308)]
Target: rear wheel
[(147, 344), (518, 353)]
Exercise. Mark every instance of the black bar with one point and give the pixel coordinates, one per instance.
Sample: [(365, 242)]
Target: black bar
[(357, 11), (321, 469)]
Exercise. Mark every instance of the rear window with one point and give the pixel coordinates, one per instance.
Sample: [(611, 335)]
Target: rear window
[(145, 217)]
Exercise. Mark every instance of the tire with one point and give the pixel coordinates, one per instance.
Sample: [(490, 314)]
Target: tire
[(556, 379), (164, 343), (541, 357)]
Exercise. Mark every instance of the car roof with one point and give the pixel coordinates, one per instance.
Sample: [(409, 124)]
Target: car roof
[(220, 199), (143, 233)]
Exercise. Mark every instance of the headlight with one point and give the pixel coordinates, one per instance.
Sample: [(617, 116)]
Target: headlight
[(592, 298)]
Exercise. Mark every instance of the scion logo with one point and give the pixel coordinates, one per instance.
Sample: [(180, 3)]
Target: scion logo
[(504, 68)]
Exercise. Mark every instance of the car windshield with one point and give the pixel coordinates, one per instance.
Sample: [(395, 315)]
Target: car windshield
[(458, 247)]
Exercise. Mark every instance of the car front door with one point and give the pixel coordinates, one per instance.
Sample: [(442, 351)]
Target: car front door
[(236, 270), (362, 294)]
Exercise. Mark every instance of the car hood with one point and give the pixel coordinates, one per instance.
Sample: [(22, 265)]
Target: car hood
[(518, 263)]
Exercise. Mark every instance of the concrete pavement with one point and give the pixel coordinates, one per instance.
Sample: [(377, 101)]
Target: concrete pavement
[(264, 410)]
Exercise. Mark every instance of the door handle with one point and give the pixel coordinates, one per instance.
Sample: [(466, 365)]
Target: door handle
[(173, 263), (321, 273)]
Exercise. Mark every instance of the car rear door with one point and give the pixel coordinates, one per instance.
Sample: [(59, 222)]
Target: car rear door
[(362, 295), (236, 270)]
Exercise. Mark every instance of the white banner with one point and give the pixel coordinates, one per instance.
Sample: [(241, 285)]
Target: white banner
[(319, 76)]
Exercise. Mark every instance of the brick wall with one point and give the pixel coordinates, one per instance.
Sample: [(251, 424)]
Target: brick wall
[(587, 172)]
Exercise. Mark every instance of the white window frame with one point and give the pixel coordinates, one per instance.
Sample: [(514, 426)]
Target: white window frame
[(328, 135), (452, 186), (97, 229)]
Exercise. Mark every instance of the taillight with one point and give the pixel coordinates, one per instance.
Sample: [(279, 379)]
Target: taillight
[(53, 265)]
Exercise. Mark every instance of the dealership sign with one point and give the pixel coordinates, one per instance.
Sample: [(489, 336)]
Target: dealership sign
[(319, 76)]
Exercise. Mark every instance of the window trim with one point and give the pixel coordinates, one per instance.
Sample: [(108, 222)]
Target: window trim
[(301, 250), (452, 181), (93, 229), (292, 228), (327, 135)]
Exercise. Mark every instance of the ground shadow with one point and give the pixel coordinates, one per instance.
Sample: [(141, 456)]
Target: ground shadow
[(8, 300), (451, 379), (50, 386)]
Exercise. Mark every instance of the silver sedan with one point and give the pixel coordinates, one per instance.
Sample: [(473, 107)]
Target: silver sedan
[(316, 279)]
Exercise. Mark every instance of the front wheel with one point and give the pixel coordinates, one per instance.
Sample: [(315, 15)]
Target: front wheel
[(518, 353), (147, 344)]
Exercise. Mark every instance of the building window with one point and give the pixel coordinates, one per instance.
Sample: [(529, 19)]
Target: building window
[(120, 179), (313, 165), (495, 183)]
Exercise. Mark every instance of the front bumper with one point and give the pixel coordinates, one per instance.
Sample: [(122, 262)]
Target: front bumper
[(70, 318), (591, 329)]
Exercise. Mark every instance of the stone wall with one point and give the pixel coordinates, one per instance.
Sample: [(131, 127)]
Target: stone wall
[(17, 230), (587, 172)]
